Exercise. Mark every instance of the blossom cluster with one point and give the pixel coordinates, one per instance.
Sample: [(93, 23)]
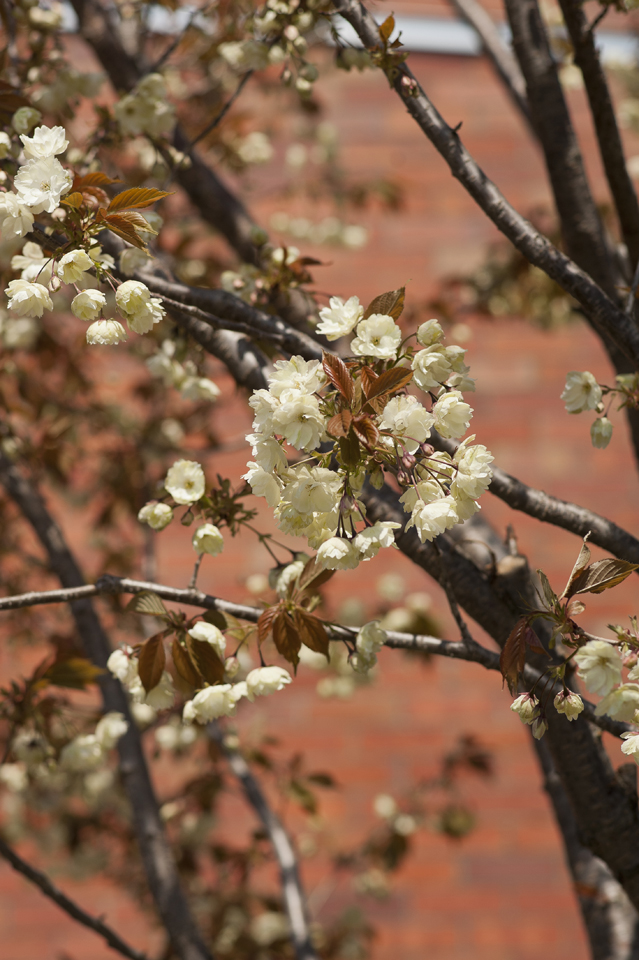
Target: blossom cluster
[(146, 110), (39, 186), (35, 760), (582, 392), (185, 484), (213, 700), (318, 497), (278, 29), (600, 665), (183, 376)]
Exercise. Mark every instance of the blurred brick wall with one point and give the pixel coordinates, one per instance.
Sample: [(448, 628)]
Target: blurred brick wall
[(503, 893)]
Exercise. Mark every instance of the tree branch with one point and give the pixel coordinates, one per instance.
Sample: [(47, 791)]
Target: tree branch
[(578, 215), (538, 250), (467, 649), (42, 881), (561, 513), (159, 865), (292, 890), (498, 53), (603, 115), (607, 818), (609, 917)]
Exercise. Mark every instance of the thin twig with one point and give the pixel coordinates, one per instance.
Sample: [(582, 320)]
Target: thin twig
[(42, 881), (499, 54), (220, 116), (457, 650), (196, 570), (292, 891)]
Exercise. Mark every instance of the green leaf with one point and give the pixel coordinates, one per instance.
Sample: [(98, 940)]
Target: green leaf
[(152, 661), (75, 673), (217, 618), (549, 593), (147, 603)]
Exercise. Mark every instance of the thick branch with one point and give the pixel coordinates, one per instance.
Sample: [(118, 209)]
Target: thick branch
[(603, 114), (609, 917), (499, 54), (560, 513), (292, 890), (42, 881), (157, 857), (607, 818), (218, 306), (538, 250), (578, 215)]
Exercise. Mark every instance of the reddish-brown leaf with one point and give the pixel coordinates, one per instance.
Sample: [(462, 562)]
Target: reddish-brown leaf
[(286, 638), (265, 622), (390, 382), (340, 424), (122, 227), (136, 197), (513, 656), (94, 197), (184, 665), (338, 374), (581, 563), (96, 179), (73, 200), (152, 661), (368, 379), (391, 304), (313, 575), (365, 430), (602, 575), (206, 659), (311, 631), (74, 673)]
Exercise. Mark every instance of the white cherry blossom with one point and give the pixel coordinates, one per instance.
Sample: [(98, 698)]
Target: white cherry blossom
[(106, 333), (340, 317), (599, 666), (377, 336), (185, 481), (44, 142), (73, 266), (157, 515), (582, 392), (208, 539), (266, 680), (40, 184), (452, 415), (28, 299), (89, 304), (209, 633)]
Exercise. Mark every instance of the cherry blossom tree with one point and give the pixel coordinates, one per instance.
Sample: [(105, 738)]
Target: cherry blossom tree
[(359, 444)]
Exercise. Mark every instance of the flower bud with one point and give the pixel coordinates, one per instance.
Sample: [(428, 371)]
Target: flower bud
[(231, 667), (601, 432), (409, 461)]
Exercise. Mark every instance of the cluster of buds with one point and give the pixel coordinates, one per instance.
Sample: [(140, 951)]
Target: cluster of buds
[(361, 408), (279, 37)]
